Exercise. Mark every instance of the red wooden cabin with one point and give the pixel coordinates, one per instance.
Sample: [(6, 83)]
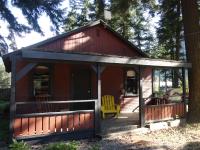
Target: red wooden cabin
[(57, 84)]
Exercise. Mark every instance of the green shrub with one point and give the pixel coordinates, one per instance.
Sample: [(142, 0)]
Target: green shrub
[(19, 145), (4, 129), (63, 146), (94, 147), (3, 106)]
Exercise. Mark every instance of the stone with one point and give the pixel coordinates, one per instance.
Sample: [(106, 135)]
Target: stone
[(177, 122), (157, 126)]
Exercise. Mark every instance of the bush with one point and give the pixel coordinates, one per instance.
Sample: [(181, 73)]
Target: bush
[(95, 147), (63, 146), (4, 129), (19, 145)]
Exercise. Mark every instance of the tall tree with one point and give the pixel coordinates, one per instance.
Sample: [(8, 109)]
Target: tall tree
[(31, 10), (170, 27), (79, 14), (170, 32), (100, 5), (83, 12), (192, 40), (128, 18), (130, 21), (4, 77)]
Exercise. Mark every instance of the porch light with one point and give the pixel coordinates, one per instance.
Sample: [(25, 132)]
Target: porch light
[(130, 73)]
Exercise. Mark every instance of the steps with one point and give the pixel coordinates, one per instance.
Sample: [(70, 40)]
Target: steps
[(130, 104)]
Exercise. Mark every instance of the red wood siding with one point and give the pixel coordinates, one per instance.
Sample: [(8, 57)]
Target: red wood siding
[(23, 86), (61, 81), (112, 82), (95, 39), (42, 125), (147, 82), (164, 112)]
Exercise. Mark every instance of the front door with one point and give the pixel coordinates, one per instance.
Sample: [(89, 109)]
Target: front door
[(81, 87), (81, 84)]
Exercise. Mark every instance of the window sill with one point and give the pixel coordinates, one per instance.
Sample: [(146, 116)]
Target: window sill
[(131, 95)]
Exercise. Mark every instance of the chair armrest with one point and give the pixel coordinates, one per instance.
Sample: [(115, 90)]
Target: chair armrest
[(117, 107), (102, 108)]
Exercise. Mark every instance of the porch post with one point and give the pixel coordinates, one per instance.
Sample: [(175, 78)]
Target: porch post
[(12, 97), (165, 80), (152, 81), (98, 103), (141, 101), (184, 89)]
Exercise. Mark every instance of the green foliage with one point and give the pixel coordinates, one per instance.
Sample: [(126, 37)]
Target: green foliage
[(159, 94), (4, 77), (19, 145), (80, 14), (63, 146), (170, 28), (31, 10), (3, 105), (4, 128), (94, 147), (131, 21)]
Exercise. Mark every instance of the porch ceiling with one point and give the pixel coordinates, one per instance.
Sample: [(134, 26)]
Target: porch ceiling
[(99, 58)]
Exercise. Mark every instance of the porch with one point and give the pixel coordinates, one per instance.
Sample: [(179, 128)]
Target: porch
[(69, 123)]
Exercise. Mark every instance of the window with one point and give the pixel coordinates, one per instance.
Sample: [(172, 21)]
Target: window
[(41, 80), (130, 82)]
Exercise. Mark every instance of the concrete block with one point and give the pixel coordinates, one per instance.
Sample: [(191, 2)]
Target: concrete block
[(157, 126), (177, 122)]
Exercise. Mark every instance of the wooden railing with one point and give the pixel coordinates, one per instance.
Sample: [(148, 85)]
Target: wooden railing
[(161, 112), (37, 124)]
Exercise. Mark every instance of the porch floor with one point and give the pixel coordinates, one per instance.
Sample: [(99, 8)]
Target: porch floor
[(125, 121)]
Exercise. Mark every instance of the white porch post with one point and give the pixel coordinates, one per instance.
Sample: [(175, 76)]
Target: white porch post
[(98, 103), (184, 89)]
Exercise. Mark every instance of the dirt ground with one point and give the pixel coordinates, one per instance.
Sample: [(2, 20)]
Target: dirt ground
[(180, 138)]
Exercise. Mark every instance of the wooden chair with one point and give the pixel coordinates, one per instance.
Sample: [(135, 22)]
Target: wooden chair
[(43, 107), (108, 105)]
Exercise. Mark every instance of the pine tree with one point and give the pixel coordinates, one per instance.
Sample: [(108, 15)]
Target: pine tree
[(170, 27), (131, 22), (4, 77), (81, 13), (170, 32), (31, 10)]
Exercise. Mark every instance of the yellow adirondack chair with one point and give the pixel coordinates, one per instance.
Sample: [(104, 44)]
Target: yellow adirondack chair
[(108, 105)]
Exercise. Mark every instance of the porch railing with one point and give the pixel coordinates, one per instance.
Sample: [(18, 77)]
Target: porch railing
[(48, 123), (154, 113)]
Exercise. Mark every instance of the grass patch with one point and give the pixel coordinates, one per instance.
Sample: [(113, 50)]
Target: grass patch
[(63, 146), (19, 146), (95, 147)]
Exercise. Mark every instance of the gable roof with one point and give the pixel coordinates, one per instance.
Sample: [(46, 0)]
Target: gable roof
[(92, 24)]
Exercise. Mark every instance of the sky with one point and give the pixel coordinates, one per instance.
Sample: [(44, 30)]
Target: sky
[(33, 37)]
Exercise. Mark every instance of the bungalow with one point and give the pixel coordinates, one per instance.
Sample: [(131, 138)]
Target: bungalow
[(57, 84)]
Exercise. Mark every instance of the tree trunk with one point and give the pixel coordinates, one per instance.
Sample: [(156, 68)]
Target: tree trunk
[(192, 41)]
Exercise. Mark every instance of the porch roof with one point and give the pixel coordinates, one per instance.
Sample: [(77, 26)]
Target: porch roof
[(41, 55)]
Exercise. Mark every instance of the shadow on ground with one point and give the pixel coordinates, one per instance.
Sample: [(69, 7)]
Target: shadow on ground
[(192, 146), (106, 144)]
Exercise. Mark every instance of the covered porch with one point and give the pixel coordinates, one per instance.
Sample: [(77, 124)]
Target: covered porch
[(74, 121)]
